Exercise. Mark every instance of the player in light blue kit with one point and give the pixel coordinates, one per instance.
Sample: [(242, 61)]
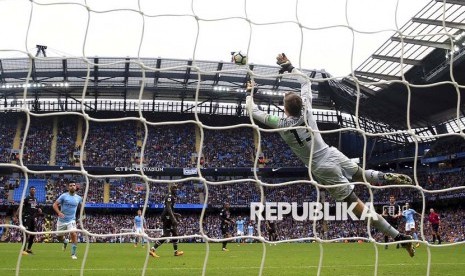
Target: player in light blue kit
[(139, 227), (66, 206), (250, 230), (240, 228), (408, 215)]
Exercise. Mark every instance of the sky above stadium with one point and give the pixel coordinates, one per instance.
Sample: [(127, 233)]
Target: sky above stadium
[(207, 29)]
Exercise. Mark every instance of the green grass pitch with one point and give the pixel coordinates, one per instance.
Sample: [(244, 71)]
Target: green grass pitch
[(282, 259)]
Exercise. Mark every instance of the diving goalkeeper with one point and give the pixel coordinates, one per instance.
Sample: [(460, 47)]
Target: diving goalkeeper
[(328, 165)]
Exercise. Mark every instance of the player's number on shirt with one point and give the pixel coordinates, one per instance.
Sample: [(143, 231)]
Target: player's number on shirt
[(297, 137)]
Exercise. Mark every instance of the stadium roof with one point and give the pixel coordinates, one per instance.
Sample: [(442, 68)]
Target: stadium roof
[(416, 61), (123, 78)]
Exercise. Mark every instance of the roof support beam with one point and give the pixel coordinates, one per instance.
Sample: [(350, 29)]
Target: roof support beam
[(126, 72), (96, 82), (96, 74), (80, 102), (455, 2), (199, 104), (277, 82), (157, 73), (126, 82), (371, 82), (2, 79), (440, 45), (65, 70), (33, 72), (376, 75), (216, 79), (396, 59), (187, 75), (247, 76), (431, 129), (363, 89), (449, 24)]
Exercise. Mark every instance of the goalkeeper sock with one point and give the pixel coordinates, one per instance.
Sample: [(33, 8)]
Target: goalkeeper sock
[(415, 236), (73, 249), (224, 244), (382, 225), (373, 176)]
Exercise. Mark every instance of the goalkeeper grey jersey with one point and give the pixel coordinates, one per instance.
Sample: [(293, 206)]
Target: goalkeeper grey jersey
[(299, 138)]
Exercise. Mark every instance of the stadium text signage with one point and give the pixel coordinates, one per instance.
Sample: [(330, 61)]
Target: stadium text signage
[(309, 211), (138, 169)]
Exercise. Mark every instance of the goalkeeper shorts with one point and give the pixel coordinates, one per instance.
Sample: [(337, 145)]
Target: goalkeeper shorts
[(332, 168)]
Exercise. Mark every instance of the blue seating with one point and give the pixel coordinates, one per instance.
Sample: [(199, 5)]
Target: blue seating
[(40, 189)]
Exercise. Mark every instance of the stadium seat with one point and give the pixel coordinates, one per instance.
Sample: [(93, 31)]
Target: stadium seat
[(40, 189)]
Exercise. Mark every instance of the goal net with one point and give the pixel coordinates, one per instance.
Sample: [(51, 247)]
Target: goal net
[(125, 238), (128, 97)]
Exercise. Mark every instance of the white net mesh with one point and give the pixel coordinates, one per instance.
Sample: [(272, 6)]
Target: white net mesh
[(295, 30)]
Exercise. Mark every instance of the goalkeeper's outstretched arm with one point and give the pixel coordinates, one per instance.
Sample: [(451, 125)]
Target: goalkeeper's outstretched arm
[(261, 116), (272, 121), (305, 93), (306, 85)]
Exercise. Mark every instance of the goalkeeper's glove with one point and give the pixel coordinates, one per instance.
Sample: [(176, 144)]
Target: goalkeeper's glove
[(286, 65)]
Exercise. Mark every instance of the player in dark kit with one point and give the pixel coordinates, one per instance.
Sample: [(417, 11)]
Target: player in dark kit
[(170, 221), (30, 211), (272, 230), (392, 213), (433, 218), (226, 223)]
